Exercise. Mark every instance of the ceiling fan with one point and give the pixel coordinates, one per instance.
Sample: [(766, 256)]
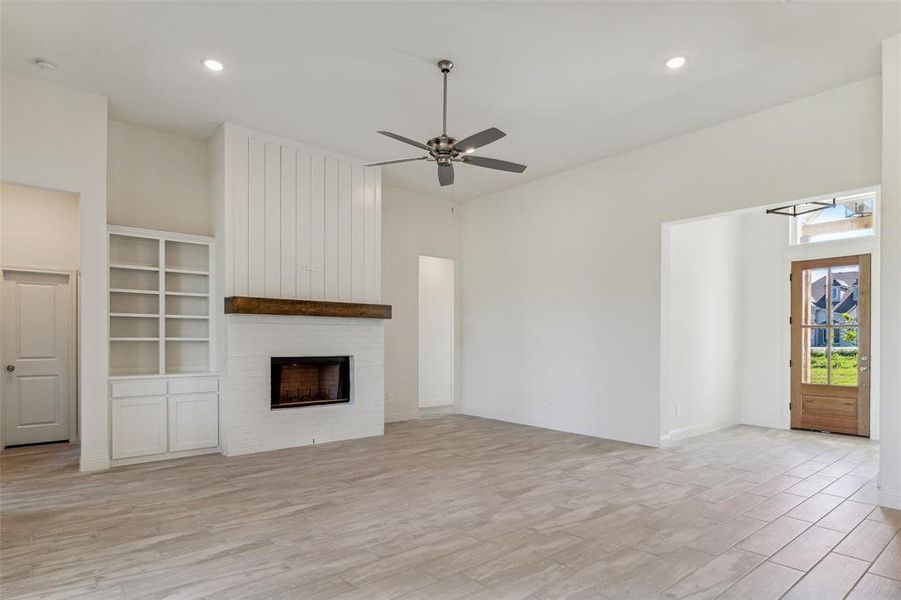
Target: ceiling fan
[(446, 150)]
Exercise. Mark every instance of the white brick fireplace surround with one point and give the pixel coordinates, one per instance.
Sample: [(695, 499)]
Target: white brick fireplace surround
[(247, 422)]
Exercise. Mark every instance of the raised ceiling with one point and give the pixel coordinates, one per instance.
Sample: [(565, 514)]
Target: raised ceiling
[(570, 83)]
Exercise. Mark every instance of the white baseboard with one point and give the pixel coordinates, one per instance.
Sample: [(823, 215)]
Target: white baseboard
[(890, 499), (406, 415), (122, 462), (682, 433), (89, 464)]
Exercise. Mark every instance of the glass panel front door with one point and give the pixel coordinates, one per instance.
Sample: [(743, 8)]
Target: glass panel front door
[(830, 344)]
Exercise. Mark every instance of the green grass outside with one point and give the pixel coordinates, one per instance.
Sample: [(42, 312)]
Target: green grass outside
[(844, 368)]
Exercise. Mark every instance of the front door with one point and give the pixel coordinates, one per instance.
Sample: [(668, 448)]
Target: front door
[(37, 341), (830, 326)]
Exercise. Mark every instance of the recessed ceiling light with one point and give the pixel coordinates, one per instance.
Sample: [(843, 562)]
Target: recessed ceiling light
[(44, 64), (213, 65), (676, 62)]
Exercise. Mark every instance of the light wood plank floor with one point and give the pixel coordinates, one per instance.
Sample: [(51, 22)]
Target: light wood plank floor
[(459, 507)]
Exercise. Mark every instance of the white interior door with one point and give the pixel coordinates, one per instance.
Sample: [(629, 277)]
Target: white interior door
[(37, 377), (436, 331)]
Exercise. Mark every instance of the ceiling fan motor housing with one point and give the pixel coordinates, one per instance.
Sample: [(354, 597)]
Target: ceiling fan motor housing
[(442, 147)]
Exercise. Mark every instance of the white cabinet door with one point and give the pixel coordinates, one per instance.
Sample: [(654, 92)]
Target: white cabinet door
[(193, 421), (139, 426)]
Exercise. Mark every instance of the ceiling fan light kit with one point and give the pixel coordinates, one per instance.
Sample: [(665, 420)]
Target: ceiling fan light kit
[(446, 150)]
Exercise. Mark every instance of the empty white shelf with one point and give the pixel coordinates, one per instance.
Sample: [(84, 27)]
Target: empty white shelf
[(192, 294), (133, 267), (129, 291), (187, 271)]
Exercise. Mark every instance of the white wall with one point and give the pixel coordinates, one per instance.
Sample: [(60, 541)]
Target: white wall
[(562, 275), (157, 180), (38, 228), (764, 321), (413, 225), (890, 424), (55, 137), (701, 326), (436, 331)]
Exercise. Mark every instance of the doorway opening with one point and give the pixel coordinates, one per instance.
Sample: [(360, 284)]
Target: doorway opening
[(39, 265), (732, 350), (436, 334)]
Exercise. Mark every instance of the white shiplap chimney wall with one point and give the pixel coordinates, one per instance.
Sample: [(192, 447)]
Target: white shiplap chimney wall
[(299, 222), (294, 222)]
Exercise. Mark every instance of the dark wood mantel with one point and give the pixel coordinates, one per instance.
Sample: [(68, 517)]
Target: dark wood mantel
[(246, 305)]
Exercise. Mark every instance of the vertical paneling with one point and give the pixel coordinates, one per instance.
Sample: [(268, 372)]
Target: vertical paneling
[(378, 235), (370, 251), (317, 227), (288, 245), (239, 167), (330, 268), (256, 222), (356, 236), (273, 239), (300, 224), (345, 264), (304, 257)]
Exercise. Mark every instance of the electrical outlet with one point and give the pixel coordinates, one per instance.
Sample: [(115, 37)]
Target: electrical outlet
[(678, 410)]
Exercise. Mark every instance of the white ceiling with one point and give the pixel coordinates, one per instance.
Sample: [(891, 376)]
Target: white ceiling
[(569, 83)]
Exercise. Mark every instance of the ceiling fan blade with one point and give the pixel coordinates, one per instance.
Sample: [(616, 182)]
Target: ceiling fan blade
[(405, 140), (493, 163), (445, 174), (394, 162), (477, 140)]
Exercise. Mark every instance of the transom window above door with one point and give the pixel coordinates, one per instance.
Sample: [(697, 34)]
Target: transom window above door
[(852, 217)]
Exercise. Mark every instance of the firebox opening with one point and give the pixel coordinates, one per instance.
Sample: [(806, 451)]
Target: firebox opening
[(309, 380)]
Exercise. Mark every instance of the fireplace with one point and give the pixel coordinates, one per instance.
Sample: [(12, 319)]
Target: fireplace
[(309, 380)]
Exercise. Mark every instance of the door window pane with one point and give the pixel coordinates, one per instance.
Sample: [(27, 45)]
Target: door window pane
[(845, 359), (816, 302), (814, 356), (845, 293)]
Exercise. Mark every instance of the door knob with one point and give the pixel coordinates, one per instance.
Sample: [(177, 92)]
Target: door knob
[(10, 368)]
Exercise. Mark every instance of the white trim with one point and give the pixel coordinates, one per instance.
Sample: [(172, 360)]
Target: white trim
[(890, 499), (409, 415), (121, 462), (686, 432), (93, 463), (157, 234)]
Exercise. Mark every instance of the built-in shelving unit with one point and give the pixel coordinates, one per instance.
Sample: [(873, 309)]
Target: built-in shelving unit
[(159, 302)]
